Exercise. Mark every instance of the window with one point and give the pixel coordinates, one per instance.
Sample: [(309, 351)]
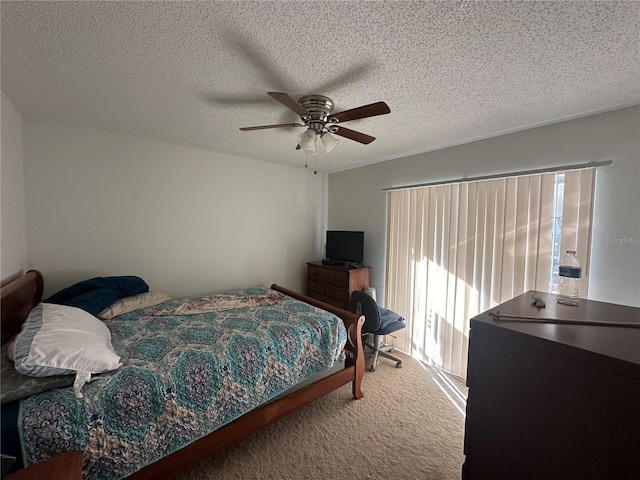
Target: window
[(556, 232), (458, 249)]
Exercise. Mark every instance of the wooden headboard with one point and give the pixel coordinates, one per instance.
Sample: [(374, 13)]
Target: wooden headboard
[(18, 298)]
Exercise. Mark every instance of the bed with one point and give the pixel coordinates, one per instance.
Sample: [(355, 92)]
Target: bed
[(194, 422)]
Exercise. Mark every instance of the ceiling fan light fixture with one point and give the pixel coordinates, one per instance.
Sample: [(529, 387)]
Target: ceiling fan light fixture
[(329, 141), (307, 140)]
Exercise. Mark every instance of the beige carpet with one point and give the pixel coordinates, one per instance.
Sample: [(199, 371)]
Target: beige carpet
[(405, 427)]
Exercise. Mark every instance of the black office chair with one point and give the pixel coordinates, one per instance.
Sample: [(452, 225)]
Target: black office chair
[(378, 322)]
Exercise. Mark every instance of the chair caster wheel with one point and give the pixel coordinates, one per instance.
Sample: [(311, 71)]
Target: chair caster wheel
[(372, 368), (399, 365)]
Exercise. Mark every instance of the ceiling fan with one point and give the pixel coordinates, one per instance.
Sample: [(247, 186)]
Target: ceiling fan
[(315, 114)]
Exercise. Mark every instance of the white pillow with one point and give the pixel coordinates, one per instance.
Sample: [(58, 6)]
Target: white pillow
[(134, 302), (63, 340)]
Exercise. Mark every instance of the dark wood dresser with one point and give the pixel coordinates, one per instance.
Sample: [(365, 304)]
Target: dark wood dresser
[(334, 284), (550, 401)]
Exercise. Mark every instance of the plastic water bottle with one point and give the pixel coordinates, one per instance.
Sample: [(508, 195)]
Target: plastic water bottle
[(569, 274)]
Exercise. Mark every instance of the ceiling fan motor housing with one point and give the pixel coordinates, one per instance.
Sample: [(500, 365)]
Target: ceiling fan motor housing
[(319, 108)]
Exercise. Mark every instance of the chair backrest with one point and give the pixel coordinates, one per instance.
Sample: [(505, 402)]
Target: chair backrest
[(363, 304)]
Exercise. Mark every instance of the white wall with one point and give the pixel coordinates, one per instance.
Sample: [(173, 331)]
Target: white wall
[(357, 202), (13, 245), (186, 220)]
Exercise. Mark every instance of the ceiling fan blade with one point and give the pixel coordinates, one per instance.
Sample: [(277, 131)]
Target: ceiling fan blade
[(349, 76), (290, 103), (371, 110), (279, 125), (255, 54), (233, 101), (352, 135)]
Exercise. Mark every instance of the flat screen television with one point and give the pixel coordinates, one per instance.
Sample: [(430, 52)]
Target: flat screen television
[(345, 246)]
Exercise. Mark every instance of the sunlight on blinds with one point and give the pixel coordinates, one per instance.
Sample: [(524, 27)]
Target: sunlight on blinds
[(456, 250)]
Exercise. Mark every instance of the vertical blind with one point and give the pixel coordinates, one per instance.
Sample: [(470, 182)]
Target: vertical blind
[(456, 250)]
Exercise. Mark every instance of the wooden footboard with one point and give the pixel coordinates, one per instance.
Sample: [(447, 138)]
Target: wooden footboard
[(353, 324)]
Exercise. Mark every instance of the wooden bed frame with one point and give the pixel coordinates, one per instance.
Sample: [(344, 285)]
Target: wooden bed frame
[(21, 295)]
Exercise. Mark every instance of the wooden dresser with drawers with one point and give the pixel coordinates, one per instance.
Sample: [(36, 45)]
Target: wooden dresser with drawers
[(334, 284)]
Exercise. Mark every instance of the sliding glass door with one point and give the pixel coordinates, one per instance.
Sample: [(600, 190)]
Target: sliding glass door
[(458, 249)]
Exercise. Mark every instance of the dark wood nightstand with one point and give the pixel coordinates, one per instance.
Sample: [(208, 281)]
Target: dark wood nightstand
[(64, 466)]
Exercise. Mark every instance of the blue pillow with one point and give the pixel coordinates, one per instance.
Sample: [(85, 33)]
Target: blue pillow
[(96, 294)]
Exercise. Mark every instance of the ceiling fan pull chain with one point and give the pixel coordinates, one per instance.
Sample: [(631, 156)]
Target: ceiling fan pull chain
[(315, 161)]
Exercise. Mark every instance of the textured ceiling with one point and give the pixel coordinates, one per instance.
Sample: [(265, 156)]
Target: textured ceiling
[(192, 73)]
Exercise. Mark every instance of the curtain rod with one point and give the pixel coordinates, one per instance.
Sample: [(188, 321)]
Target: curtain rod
[(604, 163)]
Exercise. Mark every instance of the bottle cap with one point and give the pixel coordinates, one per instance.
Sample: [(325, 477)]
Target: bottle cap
[(571, 251)]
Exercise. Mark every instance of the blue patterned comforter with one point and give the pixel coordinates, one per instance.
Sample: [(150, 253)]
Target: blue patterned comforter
[(184, 377)]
